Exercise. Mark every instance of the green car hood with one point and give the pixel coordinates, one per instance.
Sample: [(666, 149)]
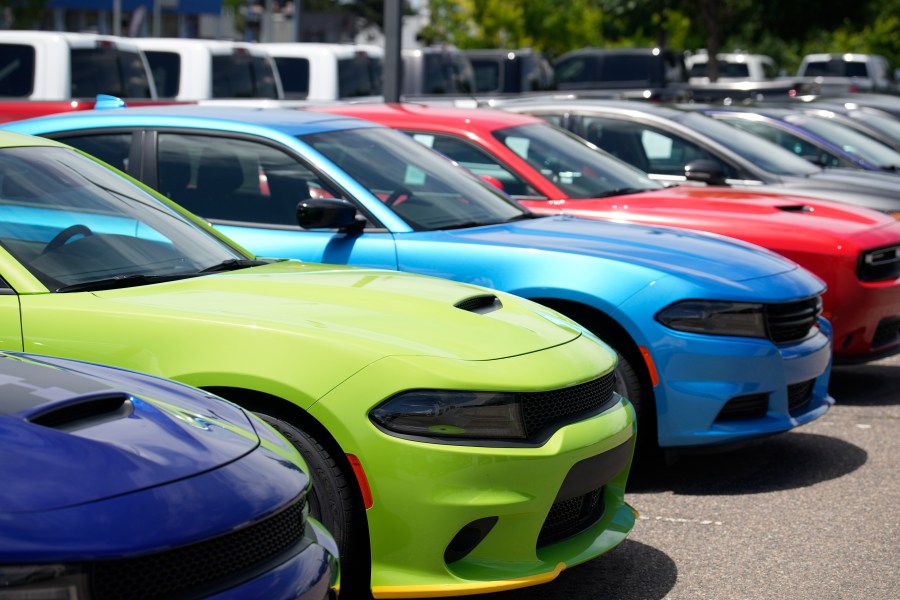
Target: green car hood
[(286, 317)]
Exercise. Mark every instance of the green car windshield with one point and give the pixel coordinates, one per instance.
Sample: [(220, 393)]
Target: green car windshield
[(76, 225)]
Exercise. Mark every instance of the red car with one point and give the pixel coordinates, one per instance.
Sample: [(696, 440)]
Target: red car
[(856, 251)]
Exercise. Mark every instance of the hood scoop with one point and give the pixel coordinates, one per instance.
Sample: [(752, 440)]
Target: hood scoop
[(482, 305), (797, 208), (84, 412)]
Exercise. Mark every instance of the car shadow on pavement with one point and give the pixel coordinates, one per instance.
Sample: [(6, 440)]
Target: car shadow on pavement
[(872, 384), (629, 571), (783, 462)]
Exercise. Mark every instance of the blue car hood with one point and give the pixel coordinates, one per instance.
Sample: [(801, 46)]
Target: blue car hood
[(667, 250), (70, 438)]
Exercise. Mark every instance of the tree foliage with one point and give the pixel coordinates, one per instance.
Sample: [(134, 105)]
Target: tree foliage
[(784, 30)]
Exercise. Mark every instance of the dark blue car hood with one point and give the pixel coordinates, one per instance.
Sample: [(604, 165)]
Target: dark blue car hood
[(668, 250), (69, 438)]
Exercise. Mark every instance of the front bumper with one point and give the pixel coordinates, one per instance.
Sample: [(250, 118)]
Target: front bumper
[(453, 519), (723, 390)]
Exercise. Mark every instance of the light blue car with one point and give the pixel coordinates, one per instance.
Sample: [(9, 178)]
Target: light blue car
[(719, 341)]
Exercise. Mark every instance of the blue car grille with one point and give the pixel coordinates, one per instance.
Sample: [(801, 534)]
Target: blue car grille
[(203, 568), (545, 412), (792, 321)]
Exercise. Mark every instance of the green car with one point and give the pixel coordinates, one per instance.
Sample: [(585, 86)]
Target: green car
[(461, 440)]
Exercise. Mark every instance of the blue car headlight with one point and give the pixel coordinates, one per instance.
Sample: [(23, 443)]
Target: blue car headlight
[(716, 317), (42, 582), (452, 414)]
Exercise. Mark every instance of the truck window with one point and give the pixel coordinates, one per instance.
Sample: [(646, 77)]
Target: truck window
[(106, 69), (294, 73), (243, 75), (359, 76), (166, 69), (16, 70)]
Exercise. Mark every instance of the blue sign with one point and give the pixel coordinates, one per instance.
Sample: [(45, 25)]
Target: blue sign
[(191, 7)]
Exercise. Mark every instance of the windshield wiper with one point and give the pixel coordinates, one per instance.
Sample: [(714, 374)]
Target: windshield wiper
[(233, 264), (121, 281)]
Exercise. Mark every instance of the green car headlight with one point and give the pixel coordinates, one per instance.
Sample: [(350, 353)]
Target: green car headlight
[(452, 414), (716, 318), (42, 582)]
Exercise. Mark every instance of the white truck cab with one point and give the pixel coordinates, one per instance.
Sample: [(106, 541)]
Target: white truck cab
[(733, 67), (198, 69), (54, 65), (327, 72)]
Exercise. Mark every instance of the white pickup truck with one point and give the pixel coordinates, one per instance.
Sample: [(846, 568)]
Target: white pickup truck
[(197, 69), (44, 72), (53, 65), (326, 72)]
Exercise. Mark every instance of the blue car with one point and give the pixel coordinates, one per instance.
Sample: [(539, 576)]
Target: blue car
[(123, 485), (719, 341)]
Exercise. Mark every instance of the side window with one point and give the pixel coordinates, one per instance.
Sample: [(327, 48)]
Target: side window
[(234, 179), (622, 139), (294, 74), (16, 70), (111, 148), (787, 140), (166, 69), (478, 162)]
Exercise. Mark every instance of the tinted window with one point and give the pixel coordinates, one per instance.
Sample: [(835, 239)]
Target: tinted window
[(242, 75), (647, 148), (786, 140), (477, 161), (487, 74), (166, 69), (234, 180), (576, 168), (447, 73), (105, 69), (359, 76), (112, 149), (294, 73), (16, 70)]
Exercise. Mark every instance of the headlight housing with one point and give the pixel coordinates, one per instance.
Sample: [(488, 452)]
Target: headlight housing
[(716, 317), (449, 414), (42, 582)]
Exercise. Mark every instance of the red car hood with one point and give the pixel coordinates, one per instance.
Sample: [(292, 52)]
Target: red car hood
[(770, 220)]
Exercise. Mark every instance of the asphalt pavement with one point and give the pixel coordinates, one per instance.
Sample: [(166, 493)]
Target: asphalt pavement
[(812, 514)]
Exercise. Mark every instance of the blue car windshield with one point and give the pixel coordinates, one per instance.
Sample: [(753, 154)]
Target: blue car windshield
[(73, 222), (423, 187), (765, 154), (577, 167)]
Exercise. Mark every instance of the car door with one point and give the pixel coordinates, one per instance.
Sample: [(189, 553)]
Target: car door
[(249, 189)]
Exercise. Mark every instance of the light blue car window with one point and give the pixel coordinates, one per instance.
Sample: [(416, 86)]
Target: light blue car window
[(71, 221), (786, 140), (234, 180)]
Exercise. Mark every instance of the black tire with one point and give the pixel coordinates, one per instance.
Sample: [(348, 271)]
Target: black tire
[(630, 384), (336, 502)]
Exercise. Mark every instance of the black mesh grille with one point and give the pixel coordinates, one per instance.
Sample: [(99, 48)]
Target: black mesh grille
[(541, 410), (202, 565), (751, 406), (568, 517), (792, 321), (887, 332), (480, 304), (799, 394)]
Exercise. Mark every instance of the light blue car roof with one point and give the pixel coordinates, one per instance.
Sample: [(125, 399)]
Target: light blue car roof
[(288, 121)]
